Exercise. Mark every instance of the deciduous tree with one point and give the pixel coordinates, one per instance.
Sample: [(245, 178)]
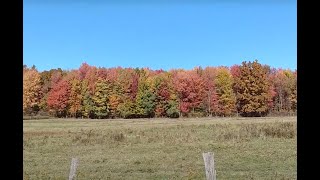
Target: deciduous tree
[(252, 89), (31, 90), (226, 98), (101, 99), (58, 98)]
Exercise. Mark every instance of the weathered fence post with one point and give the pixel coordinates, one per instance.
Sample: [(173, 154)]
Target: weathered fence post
[(73, 168), (209, 166)]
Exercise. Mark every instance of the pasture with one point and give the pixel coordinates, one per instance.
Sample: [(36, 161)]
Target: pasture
[(244, 148)]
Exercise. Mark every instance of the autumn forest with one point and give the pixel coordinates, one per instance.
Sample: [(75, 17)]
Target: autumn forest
[(249, 89)]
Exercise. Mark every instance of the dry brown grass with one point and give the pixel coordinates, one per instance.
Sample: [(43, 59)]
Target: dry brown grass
[(245, 148)]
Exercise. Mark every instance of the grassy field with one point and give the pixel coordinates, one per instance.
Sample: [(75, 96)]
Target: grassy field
[(244, 148)]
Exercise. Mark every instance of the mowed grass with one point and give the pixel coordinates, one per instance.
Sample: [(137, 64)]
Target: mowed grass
[(244, 148)]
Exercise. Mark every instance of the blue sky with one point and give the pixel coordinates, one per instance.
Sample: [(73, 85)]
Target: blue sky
[(171, 35)]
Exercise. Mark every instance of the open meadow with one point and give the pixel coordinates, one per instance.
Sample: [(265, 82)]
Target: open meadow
[(244, 148)]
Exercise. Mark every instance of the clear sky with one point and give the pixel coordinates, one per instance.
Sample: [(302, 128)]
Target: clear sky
[(168, 35)]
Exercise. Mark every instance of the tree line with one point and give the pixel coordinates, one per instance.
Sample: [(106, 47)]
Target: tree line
[(250, 89)]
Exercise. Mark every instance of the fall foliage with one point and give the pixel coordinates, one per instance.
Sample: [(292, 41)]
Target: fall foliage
[(252, 89), (58, 98), (31, 90), (249, 89), (226, 98)]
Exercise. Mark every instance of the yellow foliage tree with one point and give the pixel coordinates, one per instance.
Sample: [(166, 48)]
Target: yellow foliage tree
[(31, 90)]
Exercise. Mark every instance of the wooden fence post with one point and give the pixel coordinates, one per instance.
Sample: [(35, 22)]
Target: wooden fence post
[(73, 168), (209, 166)]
